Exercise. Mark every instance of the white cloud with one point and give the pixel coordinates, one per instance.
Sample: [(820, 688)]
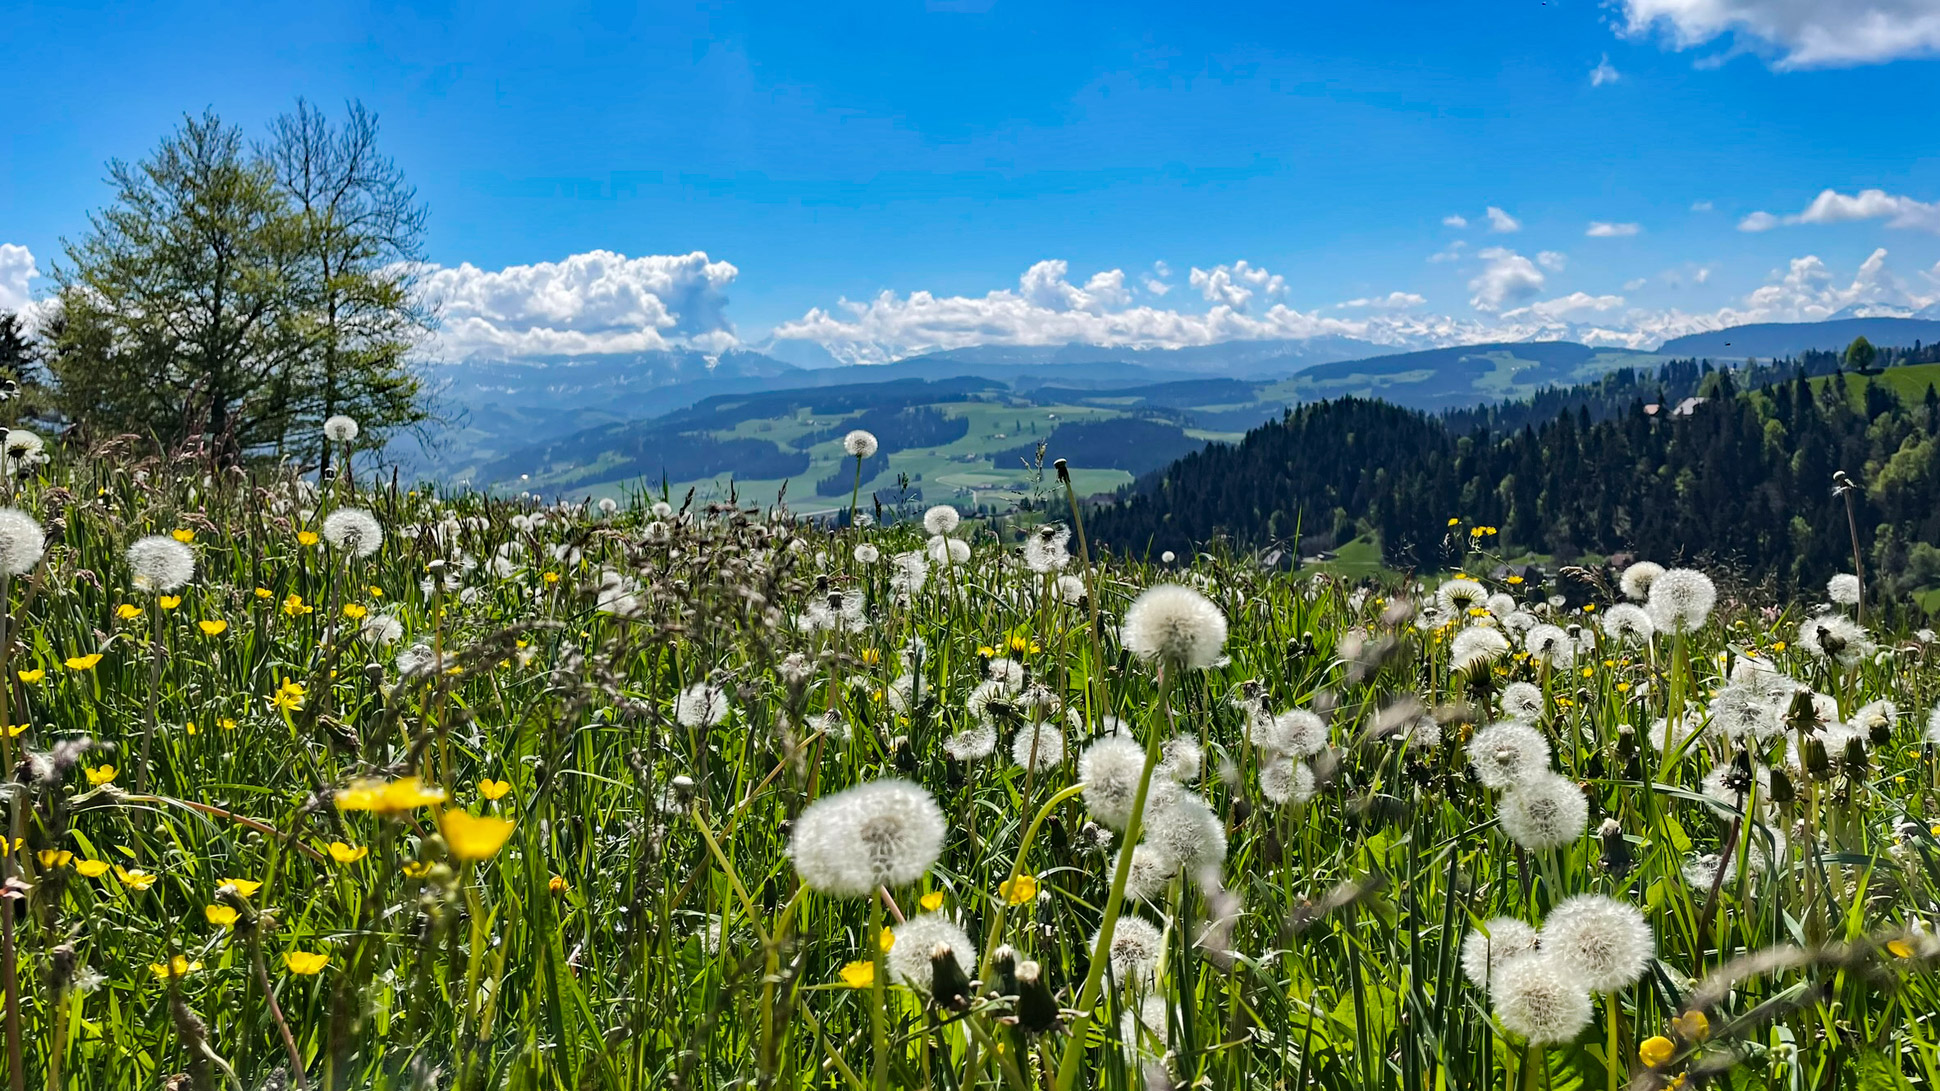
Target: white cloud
[(16, 269), (1600, 229), (1565, 308), (1454, 220), (1157, 286), (1507, 278), (1701, 206), (1604, 72), (1833, 207), (1635, 283), (1551, 260), (1161, 269), (1501, 222), (593, 302), (1235, 285), (1452, 253), (1796, 33), (1393, 301)]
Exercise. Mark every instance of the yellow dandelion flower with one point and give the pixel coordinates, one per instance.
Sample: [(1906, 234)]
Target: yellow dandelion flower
[(221, 916), (550, 577), (858, 975), (179, 966), (557, 884), (99, 774), (1513, 580), (871, 656), (1454, 522), (1019, 890), (183, 535), (83, 662), (471, 837), (305, 963), (348, 854), (212, 626), (494, 789)]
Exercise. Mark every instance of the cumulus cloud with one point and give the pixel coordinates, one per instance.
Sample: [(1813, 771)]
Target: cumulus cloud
[(1796, 33), (1604, 72), (1393, 301), (1452, 252), (1600, 229), (1635, 283), (1501, 222), (1235, 285), (1507, 278), (1454, 220), (1701, 206), (1574, 306), (1552, 260), (16, 269), (1833, 207), (598, 301)]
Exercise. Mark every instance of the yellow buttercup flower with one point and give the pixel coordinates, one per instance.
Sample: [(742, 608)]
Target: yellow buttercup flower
[(414, 869), (557, 884), (169, 602), (179, 966), (305, 963), (31, 676), (221, 916), (932, 901), (93, 869), (293, 605), (348, 854), (387, 796), (83, 662), (1019, 890), (100, 774), (858, 975), (184, 535), (1692, 1025), (264, 592), (494, 789), (53, 858), (212, 626), (1899, 947), (288, 696), (127, 611), (14, 731), (134, 878), (471, 837), (354, 611), (376, 592), (885, 939), (245, 887), (1656, 1050), (306, 537)]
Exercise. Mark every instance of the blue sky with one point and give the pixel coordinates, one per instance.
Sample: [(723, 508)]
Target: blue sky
[(817, 154)]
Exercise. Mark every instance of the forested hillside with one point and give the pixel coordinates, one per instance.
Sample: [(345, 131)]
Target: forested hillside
[(1742, 479)]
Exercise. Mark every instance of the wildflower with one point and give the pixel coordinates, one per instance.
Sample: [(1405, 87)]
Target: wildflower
[(1477, 646), (294, 606), (169, 602), (22, 542), (932, 901), (212, 626), (1550, 644), (1506, 753), (860, 974), (949, 551), (221, 916), (471, 837), (348, 854), (1680, 599), (1600, 943), (701, 705), (54, 858), (1656, 1050), (1458, 596), (867, 554), (83, 662), (1284, 780), (245, 887), (1174, 625), (1019, 890), (941, 519), (353, 531), (859, 444), (1836, 637), (127, 611), (339, 428), (178, 966), (305, 963), (1185, 828), (917, 942), (1843, 589), (1636, 580), (134, 878), (100, 774), (387, 797), (306, 538), (93, 869), (494, 790), (1045, 549), (160, 563), (1109, 770), (288, 696), (1490, 947), (972, 744), (264, 593), (882, 833), (1537, 999), (355, 612), (31, 676), (1693, 1025), (1544, 810), (1136, 948), (379, 630), (1627, 623), (1038, 746)]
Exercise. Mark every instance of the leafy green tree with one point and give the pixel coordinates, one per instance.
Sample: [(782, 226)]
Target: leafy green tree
[(1861, 354), (361, 247)]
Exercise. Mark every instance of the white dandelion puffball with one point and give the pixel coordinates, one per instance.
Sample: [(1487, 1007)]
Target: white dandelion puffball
[(1167, 557), (1285, 780), (1538, 1001), (353, 530), (941, 519), (867, 554), (1181, 758), (915, 944), (1038, 746), (1184, 827), (1137, 945), (1627, 623), (380, 630), (1477, 646), (1933, 727), (1070, 590), (340, 429), (700, 705), (859, 444), (1151, 870), (883, 833), (1109, 770), (1295, 732), (949, 550), (22, 542), (1507, 753), (1459, 596), (1836, 637), (1680, 600), (1046, 549), (1636, 580), (1843, 589), (608, 505), (1522, 701), (1544, 811), (973, 743), (1176, 625), (23, 448), (160, 563), (1550, 644), (1599, 942), (1490, 947)]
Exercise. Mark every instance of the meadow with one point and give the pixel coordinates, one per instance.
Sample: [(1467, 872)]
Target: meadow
[(352, 785)]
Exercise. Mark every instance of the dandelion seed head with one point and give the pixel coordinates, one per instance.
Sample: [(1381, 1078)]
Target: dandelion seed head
[(1295, 732), (1843, 589), (1046, 549), (1538, 1001), (1680, 599), (916, 940), (1185, 828), (160, 563), (1285, 780), (700, 705), (354, 531), (867, 554), (1636, 580), (1477, 646), (339, 429), (1109, 770), (941, 520), (1490, 947), (1175, 625), (22, 542), (1599, 942), (1136, 947), (882, 833), (381, 630), (1836, 637), (1181, 758), (1505, 754), (1523, 701), (973, 743), (859, 444), (1038, 746), (1459, 596), (1544, 811), (1152, 869), (1550, 644), (1628, 623)]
